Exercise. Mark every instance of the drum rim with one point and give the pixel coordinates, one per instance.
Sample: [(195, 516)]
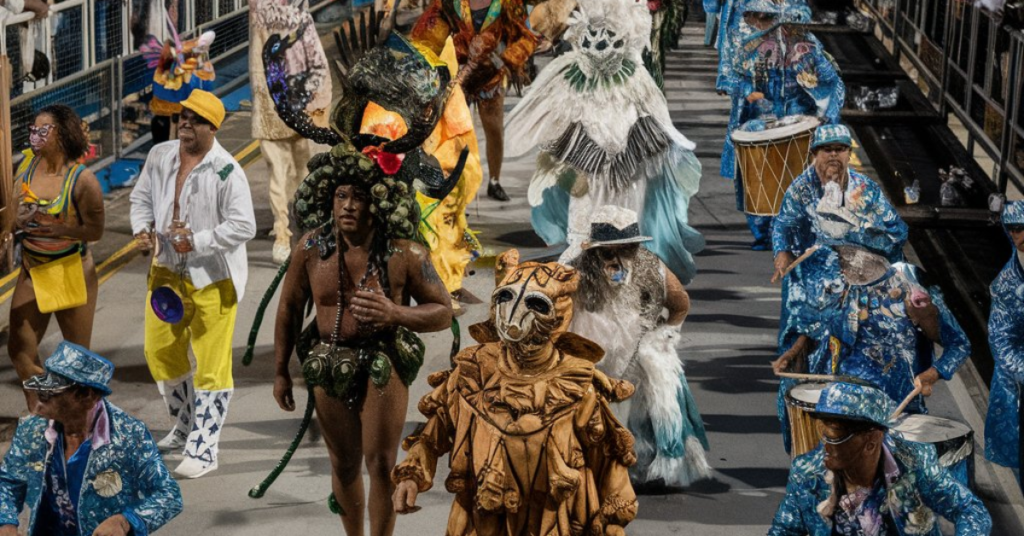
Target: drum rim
[(805, 125), (796, 402), (967, 431)]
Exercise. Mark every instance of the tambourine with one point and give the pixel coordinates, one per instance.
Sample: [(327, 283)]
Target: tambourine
[(169, 306)]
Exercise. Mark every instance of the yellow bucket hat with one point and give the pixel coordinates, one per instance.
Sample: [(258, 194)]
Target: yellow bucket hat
[(207, 105)]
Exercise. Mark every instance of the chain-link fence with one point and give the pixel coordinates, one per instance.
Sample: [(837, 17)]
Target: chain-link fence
[(968, 64)]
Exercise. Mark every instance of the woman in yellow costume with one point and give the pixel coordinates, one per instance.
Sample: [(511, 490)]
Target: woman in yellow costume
[(444, 227), (443, 222)]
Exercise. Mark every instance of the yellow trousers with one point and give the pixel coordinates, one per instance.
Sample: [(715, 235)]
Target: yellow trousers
[(208, 328)]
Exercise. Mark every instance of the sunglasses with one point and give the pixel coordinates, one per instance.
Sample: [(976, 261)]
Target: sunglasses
[(1015, 228), (52, 393), (839, 441), (40, 131)]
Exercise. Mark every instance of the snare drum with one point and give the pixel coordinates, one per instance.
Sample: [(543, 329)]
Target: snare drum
[(767, 161), (953, 441), (805, 431)]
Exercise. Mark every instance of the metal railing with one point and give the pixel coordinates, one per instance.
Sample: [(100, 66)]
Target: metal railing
[(968, 65), (95, 69)]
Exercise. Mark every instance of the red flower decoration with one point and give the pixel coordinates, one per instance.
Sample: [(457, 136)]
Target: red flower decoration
[(389, 163), (653, 5)]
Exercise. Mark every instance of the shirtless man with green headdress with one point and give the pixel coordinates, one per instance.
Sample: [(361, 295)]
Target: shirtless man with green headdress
[(359, 266)]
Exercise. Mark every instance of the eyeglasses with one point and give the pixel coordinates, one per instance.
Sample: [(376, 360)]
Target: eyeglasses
[(40, 131), (832, 441), (51, 393)]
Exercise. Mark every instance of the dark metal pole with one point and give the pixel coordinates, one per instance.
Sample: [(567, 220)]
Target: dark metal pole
[(1012, 105), (947, 57)]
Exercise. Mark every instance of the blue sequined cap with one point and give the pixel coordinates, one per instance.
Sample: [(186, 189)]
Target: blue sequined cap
[(81, 366), (854, 402), (829, 134), (1013, 213)]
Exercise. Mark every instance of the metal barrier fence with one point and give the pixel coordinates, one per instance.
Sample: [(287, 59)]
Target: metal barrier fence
[(95, 69), (969, 65)]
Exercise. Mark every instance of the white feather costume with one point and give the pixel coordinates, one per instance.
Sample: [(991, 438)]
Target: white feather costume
[(606, 137), (625, 320)]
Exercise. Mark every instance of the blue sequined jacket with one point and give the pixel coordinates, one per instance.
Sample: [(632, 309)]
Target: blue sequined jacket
[(146, 487), (922, 490), (795, 230), (731, 31), (1006, 340), (796, 76)]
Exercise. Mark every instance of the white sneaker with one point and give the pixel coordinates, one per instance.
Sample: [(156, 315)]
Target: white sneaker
[(172, 442), (180, 401), (194, 467), (281, 252)]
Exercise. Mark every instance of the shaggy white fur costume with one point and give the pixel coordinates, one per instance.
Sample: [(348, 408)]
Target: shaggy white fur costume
[(662, 414)]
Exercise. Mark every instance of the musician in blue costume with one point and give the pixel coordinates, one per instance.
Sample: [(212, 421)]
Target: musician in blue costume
[(1006, 340), (731, 31), (865, 481), (780, 70), (872, 219), (879, 324)]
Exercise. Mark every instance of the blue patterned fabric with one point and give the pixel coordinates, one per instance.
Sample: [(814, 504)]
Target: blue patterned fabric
[(81, 366), (796, 229), (1006, 340), (854, 402), (63, 484), (131, 457), (922, 490), (826, 134), (868, 335), (796, 76), (731, 32)]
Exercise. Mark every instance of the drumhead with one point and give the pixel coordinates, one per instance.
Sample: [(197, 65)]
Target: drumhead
[(805, 394), (787, 127), (929, 429)]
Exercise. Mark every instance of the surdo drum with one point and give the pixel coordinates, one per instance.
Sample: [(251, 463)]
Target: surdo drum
[(953, 442), (805, 431), (767, 161)]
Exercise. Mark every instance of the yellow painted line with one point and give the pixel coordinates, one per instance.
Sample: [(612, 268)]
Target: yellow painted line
[(129, 250), (248, 150), (7, 295), (10, 277)]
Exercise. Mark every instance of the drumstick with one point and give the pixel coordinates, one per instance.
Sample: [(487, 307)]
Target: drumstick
[(903, 405), (810, 251), (800, 376)]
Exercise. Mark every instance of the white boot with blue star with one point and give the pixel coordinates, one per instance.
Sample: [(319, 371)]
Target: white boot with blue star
[(201, 447), (180, 400)]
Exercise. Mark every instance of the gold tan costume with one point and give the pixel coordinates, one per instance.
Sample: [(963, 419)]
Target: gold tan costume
[(524, 417)]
